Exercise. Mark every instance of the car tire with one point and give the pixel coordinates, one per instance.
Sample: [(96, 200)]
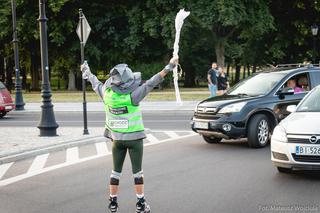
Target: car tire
[(284, 170), (211, 140), (258, 131), (2, 114)]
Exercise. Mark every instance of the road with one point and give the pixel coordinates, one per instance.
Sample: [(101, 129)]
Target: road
[(152, 119), (181, 175)]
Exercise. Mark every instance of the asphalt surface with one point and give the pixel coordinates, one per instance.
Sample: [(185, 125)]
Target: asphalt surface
[(152, 119), (184, 175), (181, 175)]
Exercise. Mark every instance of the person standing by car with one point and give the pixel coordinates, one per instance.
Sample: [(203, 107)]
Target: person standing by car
[(222, 80), (121, 95), (212, 79)]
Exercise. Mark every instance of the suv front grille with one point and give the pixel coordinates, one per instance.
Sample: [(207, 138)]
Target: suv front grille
[(306, 158), (209, 110)]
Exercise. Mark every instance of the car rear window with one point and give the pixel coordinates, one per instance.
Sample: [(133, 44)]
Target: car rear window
[(2, 85)]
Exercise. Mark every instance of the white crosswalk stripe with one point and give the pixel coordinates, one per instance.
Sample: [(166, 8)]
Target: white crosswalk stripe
[(38, 163), (4, 168), (72, 154), (152, 138), (171, 134), (102, 148)]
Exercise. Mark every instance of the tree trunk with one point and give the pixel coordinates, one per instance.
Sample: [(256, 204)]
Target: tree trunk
[(24, 78), (9, 70), (228, 70), (220, 51), (189, 80), (2, 69), (244, 72), (72, 81), (34, 70), (254, 68), (248, 70), (238, 70)]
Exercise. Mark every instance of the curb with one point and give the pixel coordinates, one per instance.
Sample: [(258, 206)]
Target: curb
[(24, 154)]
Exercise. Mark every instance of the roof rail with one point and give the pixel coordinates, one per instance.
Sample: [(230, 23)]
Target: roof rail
[(297, 65)]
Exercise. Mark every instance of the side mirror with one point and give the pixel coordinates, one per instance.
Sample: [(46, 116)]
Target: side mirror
[(285, 91), (291, 108)]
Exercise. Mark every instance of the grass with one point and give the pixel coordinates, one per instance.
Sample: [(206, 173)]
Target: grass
[(194, 94)]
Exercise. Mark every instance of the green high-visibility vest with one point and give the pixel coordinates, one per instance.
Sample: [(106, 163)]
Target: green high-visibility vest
[(121, 115)]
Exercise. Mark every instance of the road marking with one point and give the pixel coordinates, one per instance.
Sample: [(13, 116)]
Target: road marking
[(172, 134), (47, 169), (102, 148), (38, 163), (4, 168), (152, 139), (72, 154), (171, 139), (73, 158)]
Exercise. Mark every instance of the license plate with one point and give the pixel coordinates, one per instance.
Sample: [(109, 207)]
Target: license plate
[(8, 107), (201, 125), (308, 150)]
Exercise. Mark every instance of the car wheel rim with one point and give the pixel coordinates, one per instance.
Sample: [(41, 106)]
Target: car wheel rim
[(263, 132)]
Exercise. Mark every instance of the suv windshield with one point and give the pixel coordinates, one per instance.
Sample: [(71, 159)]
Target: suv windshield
[(311, 103), (260, 84)]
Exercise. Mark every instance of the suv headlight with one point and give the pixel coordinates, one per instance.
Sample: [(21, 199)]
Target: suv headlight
[(279, 134), (233, 108)]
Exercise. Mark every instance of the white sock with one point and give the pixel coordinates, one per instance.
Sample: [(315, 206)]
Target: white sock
[(139, 196)]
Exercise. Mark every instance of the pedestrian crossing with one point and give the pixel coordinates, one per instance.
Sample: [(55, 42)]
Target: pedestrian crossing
[(15, 171)]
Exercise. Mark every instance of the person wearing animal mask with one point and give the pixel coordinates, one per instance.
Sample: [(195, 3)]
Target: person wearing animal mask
[(121, 95)]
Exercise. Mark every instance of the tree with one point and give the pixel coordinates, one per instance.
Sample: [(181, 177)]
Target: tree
[(225, 17)]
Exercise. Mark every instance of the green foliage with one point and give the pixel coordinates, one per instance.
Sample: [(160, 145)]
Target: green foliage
[(141, 33)]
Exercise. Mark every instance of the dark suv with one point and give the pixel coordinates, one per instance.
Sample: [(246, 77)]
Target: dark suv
[(254, 106)]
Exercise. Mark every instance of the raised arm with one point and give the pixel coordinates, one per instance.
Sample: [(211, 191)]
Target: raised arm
[(97, 85), (141, 92)]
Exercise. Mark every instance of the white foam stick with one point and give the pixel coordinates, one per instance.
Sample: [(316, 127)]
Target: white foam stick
[(181, 15)]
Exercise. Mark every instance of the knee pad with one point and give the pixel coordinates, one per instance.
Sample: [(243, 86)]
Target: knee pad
[(114, 178), (138, 178)]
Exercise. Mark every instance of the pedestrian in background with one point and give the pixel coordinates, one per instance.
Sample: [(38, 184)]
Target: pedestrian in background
[(121, 95), (212, 79), (223, 83)]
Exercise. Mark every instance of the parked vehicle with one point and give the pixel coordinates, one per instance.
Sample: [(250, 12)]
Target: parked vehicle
[(252, 108), (295, 142), (6, 104)]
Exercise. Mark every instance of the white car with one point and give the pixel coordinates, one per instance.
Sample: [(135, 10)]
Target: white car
[(295, 142)]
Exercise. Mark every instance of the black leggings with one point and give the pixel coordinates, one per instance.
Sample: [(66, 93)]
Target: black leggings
[(119, 151)]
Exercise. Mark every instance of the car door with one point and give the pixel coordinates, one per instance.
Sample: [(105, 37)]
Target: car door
[(315, 78), (302, 87)]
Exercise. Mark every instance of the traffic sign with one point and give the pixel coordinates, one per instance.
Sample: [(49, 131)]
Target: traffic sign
[(86, 29)]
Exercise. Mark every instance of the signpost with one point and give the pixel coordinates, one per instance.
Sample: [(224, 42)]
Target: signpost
[(83, 31)]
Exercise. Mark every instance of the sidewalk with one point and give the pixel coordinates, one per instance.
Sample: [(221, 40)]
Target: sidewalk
[(18, 143), (98, 106)]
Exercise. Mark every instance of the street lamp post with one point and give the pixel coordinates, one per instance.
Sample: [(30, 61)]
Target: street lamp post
[(19, 99), (47, 125), (314, 30)]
